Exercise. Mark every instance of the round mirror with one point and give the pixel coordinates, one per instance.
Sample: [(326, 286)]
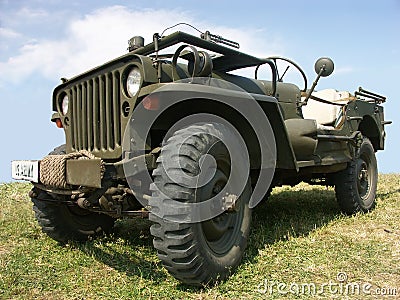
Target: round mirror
[(326, 64)]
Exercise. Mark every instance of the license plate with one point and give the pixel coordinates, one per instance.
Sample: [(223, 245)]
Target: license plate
[(25, 170)]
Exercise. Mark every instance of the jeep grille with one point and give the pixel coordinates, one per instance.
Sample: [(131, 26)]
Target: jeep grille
[(96, 119)]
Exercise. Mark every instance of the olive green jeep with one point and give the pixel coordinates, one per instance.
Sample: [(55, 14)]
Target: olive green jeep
[(169, 131)]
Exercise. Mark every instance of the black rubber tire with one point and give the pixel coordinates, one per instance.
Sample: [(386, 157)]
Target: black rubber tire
[(192, 252), (64, 222), (355, 186)]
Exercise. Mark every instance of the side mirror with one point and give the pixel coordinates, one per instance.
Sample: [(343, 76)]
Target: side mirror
[(323, 67), (326, 65)]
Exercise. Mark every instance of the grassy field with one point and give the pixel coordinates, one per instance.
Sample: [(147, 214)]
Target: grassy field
[(300, 245)]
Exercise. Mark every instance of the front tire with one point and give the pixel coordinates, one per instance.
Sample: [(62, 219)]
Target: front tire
[(198, 253), (355, 186), (63, 222)]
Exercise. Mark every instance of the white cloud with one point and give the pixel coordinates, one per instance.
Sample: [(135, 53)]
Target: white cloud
[(102, 35), (8, 33)]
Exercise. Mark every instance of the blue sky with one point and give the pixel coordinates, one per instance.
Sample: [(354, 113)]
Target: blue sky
[(42, 41)]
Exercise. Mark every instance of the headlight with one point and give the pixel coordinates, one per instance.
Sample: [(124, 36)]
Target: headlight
[(64, 105), (133, 81)]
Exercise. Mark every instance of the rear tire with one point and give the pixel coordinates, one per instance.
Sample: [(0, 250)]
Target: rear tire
[(67, 222), (204, 252), (355, 186)]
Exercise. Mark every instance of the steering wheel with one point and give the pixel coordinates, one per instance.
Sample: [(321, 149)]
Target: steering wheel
[(276, 58)]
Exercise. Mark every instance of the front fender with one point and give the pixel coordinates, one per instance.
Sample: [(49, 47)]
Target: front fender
[(245, 111)]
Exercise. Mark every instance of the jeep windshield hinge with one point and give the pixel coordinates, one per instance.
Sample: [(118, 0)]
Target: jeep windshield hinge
[(156, 61)]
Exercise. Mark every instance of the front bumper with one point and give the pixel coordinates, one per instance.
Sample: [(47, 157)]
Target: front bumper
[(66, 171), (58, 174)]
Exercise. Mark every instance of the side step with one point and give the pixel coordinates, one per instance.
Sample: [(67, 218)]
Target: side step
[(340, 138)]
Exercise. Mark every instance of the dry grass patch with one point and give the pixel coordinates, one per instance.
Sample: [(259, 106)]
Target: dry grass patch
[(299, 236)]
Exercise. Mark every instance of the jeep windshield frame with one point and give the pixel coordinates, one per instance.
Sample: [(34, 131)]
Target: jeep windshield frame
[(229, 60)]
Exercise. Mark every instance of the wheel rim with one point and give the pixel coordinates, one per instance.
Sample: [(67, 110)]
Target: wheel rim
[(220, 232), (364, 177)]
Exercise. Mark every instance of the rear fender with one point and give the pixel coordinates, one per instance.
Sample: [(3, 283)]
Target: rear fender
[(370, 128), (371, 125)]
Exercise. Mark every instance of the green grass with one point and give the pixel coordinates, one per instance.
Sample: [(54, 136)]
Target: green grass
[(299, 236)]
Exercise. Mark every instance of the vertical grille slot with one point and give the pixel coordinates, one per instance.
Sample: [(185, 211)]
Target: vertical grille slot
[(95, 113), (84, 116), (79, 116), (74, 138), (109, 117), (102, 113), (95, 109), (89, 95), (116, 109)]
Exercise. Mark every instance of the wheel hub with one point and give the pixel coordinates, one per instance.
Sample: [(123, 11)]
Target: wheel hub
[(219, 232), (363, 179), (215, 228), (363, 175)]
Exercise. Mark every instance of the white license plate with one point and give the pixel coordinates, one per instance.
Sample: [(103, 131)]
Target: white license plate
[(25, 170)]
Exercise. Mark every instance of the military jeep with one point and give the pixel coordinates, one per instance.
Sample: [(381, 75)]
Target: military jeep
[(161, 130)]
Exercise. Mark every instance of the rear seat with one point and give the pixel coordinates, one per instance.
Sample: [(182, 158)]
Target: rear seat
[(328, 116)]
